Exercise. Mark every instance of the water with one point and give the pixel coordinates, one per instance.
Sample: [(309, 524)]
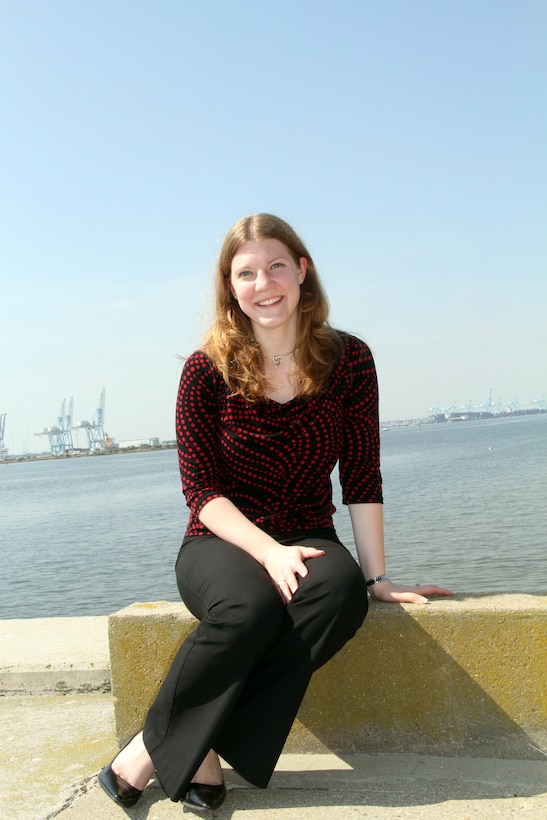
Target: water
[(465, 506)]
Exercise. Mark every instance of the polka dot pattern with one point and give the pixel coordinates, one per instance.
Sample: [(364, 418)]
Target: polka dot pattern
[(274, 461)]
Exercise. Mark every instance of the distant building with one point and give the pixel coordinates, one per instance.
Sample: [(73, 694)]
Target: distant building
[(138, 442)]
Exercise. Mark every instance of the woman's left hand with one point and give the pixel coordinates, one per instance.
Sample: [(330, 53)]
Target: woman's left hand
[(401, 594)]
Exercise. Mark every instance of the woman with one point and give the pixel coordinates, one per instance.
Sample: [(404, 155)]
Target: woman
[(265, 410)]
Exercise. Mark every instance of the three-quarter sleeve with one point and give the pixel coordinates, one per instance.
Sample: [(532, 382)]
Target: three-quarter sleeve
[(359, 465), (197, 429)]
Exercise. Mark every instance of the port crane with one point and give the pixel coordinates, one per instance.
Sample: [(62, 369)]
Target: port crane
[(60, 434), (96, 437), (3, 449), (487, 408)]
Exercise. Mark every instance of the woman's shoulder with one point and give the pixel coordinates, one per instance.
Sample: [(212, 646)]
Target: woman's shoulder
[(199, 365), (353, 347), (198, 358), (200, 380)]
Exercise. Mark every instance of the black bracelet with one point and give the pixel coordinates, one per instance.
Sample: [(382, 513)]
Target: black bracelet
[(377, 580)]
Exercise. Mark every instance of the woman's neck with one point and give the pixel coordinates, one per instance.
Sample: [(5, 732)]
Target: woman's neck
[(276, 345)]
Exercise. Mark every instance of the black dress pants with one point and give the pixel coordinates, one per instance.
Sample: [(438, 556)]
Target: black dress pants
[(237, 681)]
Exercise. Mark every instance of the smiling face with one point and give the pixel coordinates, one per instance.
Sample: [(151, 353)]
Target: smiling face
[(265, 281)]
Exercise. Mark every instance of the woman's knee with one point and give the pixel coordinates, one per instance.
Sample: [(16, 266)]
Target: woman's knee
[(337, 584), (342, 571), (348, 599), (225, 587), (251, 610)]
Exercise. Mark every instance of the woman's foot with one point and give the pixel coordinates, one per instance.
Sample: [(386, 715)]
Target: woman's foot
[(207, 789), (126, 777), (204, 798), (133, 763)]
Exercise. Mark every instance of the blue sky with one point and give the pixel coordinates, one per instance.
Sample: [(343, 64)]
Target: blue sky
[(404, 139)]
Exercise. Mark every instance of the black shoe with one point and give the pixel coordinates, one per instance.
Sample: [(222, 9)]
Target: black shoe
[(116, 787), (201, 797)]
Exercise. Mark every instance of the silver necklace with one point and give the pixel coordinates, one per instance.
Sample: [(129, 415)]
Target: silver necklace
[(277, 359)]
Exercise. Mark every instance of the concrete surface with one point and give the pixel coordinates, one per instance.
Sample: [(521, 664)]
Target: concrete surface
[(467, 675), (53, 655), (54, 745)]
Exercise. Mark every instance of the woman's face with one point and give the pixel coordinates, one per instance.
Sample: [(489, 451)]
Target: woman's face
[(265, 281)]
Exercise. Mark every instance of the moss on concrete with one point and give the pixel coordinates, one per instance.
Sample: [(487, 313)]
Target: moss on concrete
[(455, 676)]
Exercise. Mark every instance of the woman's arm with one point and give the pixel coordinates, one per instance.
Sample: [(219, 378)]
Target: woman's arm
[(367, 521), (282, 564)]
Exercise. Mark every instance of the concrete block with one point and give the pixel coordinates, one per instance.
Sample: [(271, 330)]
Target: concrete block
[(454, 677)]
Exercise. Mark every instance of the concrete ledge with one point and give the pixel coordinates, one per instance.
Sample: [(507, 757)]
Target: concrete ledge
[(466, 676), (54, 682), (45, 656)]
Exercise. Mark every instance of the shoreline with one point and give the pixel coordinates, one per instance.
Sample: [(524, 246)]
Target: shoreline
[(114, 451), (439, 418)]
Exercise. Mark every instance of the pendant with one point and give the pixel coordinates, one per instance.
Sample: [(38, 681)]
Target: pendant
[(276, 361)]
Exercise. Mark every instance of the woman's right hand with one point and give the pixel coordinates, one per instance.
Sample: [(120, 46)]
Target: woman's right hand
[(284, 564)]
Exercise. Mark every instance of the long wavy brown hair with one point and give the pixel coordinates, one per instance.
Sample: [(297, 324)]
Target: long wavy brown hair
[(230, 341)]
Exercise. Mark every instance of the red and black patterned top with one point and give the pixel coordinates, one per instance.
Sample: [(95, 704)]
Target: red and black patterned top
[(274, 461)]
